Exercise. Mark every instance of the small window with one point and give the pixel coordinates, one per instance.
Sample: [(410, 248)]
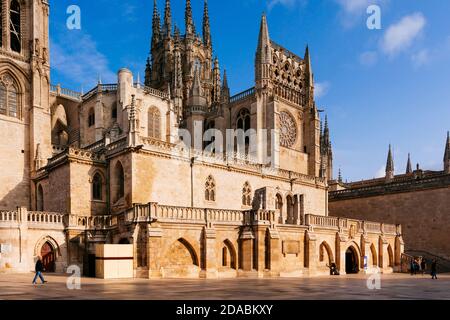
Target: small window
[(97, 187), (91, 118), (15, 32)]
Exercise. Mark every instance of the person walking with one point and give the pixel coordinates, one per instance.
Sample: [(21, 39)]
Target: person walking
[(423, 265), (434, 269), (39, 268), (412, 267)]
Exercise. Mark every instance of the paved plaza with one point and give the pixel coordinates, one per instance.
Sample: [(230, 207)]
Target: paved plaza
[(398, 286)]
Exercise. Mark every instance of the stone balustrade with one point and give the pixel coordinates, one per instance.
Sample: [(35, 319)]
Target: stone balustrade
[(45, 217), (342, 223), (8, 216), (156, 93), (243, 95)]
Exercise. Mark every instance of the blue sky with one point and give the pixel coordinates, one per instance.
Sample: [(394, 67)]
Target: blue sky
[(378, 87)]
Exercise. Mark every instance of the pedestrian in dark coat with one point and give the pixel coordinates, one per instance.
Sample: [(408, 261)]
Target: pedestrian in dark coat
[(39, 268), (434, 270)]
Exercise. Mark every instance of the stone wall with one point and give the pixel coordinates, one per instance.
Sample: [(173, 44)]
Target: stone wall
[(424, 216)]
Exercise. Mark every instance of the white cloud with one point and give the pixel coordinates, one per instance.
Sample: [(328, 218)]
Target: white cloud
[(355, 6), (75, 56), (321, 89), (381, 172), (368, 58), (353, 10), (400, 36), (287, 3), (421, 58)]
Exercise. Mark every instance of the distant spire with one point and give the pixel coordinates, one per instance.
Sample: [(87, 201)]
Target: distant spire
[(138, 81), (156, 25), (340, 176), (409, 165), (390, 165), (309, 70), (206, 27), (190, 26), (263, 41), (447, 155), (167, 20), (216, 81), (225, 89)]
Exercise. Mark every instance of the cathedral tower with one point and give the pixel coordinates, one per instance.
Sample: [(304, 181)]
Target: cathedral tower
[(24, 97)]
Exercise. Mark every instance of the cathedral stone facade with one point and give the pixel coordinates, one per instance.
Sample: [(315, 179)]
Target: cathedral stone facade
[(123, 164), (417, 199)]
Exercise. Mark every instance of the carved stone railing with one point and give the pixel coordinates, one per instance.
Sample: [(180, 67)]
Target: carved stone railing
[(88, 222), (289, 94), (243, 95), (39, 217), (63, 92), (8, 216), (343, 223), (103, 88), (156, 93), (96, 146)]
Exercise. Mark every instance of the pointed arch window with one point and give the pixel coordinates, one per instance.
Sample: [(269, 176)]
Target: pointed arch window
[(247, 195), (210, 189), (9, 97), (154, 123), (97, 187), (14, 25)]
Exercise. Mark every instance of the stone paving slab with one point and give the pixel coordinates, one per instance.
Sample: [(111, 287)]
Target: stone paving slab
[(398, 286)]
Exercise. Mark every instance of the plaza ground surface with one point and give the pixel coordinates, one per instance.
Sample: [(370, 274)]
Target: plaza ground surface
[(396, 286)]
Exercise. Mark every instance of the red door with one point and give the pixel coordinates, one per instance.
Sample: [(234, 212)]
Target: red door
[(48, 257)]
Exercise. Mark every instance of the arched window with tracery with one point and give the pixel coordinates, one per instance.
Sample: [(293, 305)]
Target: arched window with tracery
[(14, 25), (243, 122), (97, 187), (247, 195), (9, 97), (210, 189), (154, 123)]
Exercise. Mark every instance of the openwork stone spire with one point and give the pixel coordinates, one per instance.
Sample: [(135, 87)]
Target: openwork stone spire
[(167, 20), (206, 27), (156, 25), (190, 26)]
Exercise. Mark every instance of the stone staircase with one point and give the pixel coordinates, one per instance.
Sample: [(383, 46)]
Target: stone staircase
[(443, 264)]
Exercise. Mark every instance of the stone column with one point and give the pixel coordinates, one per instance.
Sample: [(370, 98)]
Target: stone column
[(209, 256), (311, 253), (246, 255), (275, 252), (382, 249), (366, 252), (341, 241), (22, 217), (154, 252)]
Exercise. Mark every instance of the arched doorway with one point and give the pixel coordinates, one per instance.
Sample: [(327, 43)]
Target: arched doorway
[(48, 257), (351, 261)]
